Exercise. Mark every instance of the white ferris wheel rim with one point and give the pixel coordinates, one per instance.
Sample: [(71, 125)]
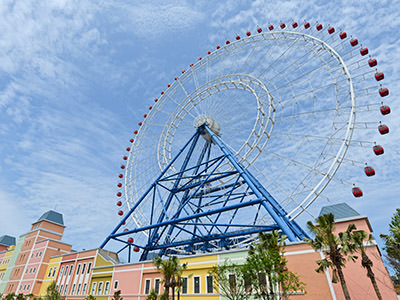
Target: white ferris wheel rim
[(140, 219)]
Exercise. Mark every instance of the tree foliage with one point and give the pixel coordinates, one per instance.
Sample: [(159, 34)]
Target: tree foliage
[(52, 293), (335, 248), (229, 279), (90, 297), (392, 243), (266, 267)]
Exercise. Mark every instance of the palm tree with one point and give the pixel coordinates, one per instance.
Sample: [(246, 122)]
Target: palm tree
[(334, 247), (358, 238), (10, 296), (52, 293), (168, 269), (178, 278)]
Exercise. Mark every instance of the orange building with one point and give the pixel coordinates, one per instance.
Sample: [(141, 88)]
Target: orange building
[(41, 242)]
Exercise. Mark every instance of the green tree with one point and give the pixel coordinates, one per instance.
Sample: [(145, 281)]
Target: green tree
[(358, 238), (229, 279), (90, 297), (266, 260), (52, 293), (392, 243), (179, 279), (333, 246), (20, 296), (117, 295), (172, 273), (152, 295), (10, 296)]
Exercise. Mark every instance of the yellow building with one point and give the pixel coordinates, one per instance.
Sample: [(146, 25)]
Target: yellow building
[(100, 284), (197, 282), (51, 274), (5, 263)]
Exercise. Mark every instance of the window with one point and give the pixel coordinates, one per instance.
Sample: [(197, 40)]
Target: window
[(61, 288), (34, 270), (83, 268), (77, 270), (84, 289), (79, 289), (62, 268), (51, 269), (184, 285), (37, 253), (40, 253), (196, 285), (100, 288), (66, 288), (29, 286), (157, 286), (106, 288), (24, 287), (73, 289), (115, 284), (89, 266), (66, 270), (54, 272), (247, 284), (232, 282), (70, 269), (93, 288), (210, 284), (147, 286)]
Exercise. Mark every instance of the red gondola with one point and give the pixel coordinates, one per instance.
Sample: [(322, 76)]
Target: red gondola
[(208, 52), (369, 171), (357, 192), (378, 150), (119, 203), (191, 65), (120, 213), (145, 115), (237, 37), (383, 129), (218, 46), (119, 184), (319, 27), (135, 132), (271, 27), (343, 35), (156, 100), (227, 42), (259, 30), (331, 30), (130, 240), (131, 140), (383, 91), (120, 176), (125, 157), (379, 76), (248, 33), (307, 25), (150, 107), (119, 194), (372, 62), (136, 249), (140, 123), (122, 167), (294, 24), (385, 110), (354, 42), (364, 51), (283, 25), (126, 229)]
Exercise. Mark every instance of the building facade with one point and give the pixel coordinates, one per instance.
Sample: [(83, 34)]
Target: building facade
[(42, 259)]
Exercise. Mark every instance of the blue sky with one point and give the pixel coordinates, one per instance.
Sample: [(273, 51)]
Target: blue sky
[(77, 76)]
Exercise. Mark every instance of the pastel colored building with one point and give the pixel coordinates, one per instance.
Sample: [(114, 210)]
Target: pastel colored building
[(50, 274), (43, 258), (80, 272), (34, 251), (6, 241), (10, 258)]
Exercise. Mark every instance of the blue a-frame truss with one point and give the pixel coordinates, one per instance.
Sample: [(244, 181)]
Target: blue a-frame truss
[(205, 206)]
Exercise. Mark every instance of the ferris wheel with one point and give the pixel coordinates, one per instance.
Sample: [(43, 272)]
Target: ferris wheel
[(247, 138)]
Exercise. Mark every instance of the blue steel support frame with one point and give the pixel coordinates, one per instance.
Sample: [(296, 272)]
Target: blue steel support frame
[(203, 228)]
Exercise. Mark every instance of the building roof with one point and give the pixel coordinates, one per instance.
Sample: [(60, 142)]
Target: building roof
[(52, 216), (7, 240), (340, 211)]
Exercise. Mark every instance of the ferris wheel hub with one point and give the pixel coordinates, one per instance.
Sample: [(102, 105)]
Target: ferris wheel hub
[(210, 123)]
